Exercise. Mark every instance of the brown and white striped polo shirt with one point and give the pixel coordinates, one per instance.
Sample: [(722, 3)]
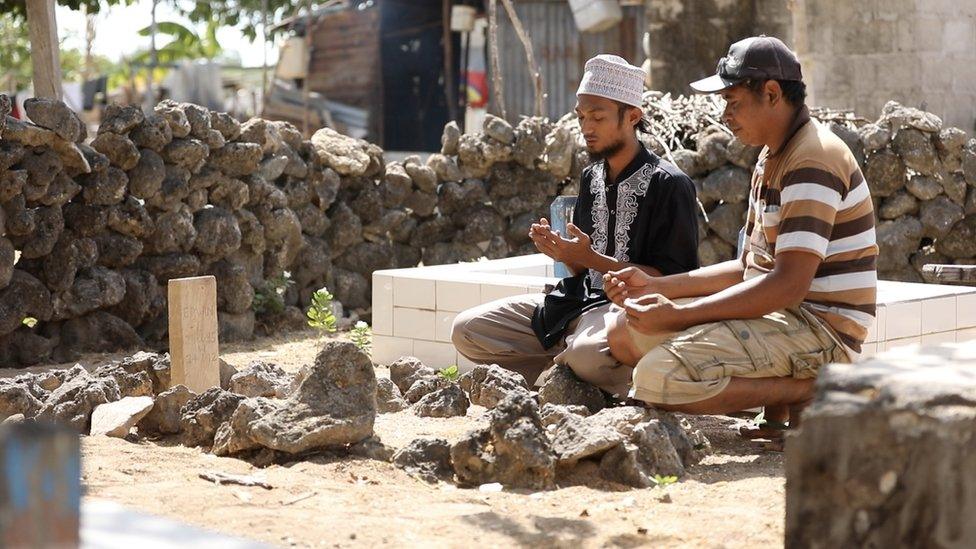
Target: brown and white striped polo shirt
[(811, 196)]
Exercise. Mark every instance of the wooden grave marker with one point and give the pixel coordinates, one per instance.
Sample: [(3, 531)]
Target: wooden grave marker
[(193, 347)]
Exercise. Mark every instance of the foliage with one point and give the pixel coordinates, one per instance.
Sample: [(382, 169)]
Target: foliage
[(662, 481), (760, 418), (320, 313), (270, 299), (451, 374), (362, 336), (30, 322), (246, 15), (183, 43), (15, 57)]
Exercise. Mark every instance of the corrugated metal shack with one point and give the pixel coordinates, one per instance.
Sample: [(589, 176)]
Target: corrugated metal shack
[(385, 57), (561, 51)]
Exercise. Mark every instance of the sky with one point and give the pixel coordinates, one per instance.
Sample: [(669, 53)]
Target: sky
[(117, 32)]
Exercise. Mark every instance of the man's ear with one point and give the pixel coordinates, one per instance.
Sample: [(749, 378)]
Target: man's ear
[(773, 92), (634, 114)]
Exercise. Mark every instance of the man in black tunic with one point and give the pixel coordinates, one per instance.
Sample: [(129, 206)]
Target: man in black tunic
[(633, 209)]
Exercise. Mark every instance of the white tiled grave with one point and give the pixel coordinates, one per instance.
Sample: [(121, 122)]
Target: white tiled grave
[(413, 309)]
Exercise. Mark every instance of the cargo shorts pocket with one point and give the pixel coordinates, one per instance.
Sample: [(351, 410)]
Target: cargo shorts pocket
[(807, 364), (751, 342), (719, 350)]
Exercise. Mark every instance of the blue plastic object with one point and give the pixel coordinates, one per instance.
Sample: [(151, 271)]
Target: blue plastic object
[(561, 213)]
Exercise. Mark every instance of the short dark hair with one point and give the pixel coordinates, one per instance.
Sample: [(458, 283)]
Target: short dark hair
[(643, 124), (794, 91)]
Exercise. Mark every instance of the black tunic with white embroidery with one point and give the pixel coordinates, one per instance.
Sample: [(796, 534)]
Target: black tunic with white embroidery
[(649, 218)]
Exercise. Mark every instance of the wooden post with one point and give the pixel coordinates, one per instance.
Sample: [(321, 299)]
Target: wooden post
[(306, 89), (43, 29), (534, 73), (193, 347), (450, 89), (40, 486), (498, 96)]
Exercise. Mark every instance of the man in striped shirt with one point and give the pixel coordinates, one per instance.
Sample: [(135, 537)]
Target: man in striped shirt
[(803, 292)]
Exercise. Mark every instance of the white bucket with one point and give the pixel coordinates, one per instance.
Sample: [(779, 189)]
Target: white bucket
[(596, 15), (462, 18), (291, 59)]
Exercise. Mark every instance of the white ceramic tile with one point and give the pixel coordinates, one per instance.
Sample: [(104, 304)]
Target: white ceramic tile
[(876, 332), (456, 296), (534, 270), (435, 354), (966, 311), (416, 293), (386, 349), (938, 315), (966, 335), (896, 292), (941, 337), (903, 320), (382, 305), (413, 323), (443, 321), (491, 292), (901, 342)]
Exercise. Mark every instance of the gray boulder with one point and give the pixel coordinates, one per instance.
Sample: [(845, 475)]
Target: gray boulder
[(116, 419), (261, 379), (406, 370), (885, 173), (120, 119), (938, 216), (450, 401), (917, 151), (577, 437), (202, 415), (57, 117), (911, 493), (388, 397), (17, 398), (648, 452), (73, 402), (152, 133), (487, 385), (561, 386), (513, 449), (164, 417), (334, 405), (234, 436), (426, 458), (552, 414)]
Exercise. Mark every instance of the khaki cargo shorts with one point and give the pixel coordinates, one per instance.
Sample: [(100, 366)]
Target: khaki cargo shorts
[(698, 363)]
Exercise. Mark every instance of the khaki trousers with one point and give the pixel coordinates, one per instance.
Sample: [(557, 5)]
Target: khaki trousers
[(698, 363), (501, 333)]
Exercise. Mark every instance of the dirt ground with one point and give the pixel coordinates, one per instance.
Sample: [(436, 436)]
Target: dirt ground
[(734, 498)]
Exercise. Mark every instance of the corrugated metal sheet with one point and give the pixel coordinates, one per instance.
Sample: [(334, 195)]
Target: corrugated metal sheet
[(561, 51)]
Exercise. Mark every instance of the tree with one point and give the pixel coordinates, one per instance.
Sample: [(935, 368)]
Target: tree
[(246, 15), (15, 58), (183, 44)]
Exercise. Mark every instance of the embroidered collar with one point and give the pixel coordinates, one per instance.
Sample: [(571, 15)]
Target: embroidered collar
[(642, 157), (630, 190)]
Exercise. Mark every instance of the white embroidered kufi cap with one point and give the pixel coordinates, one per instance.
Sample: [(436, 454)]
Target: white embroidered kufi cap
[(611, 76)]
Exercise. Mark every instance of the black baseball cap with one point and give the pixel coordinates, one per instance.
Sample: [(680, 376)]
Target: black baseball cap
[(756, 58)]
